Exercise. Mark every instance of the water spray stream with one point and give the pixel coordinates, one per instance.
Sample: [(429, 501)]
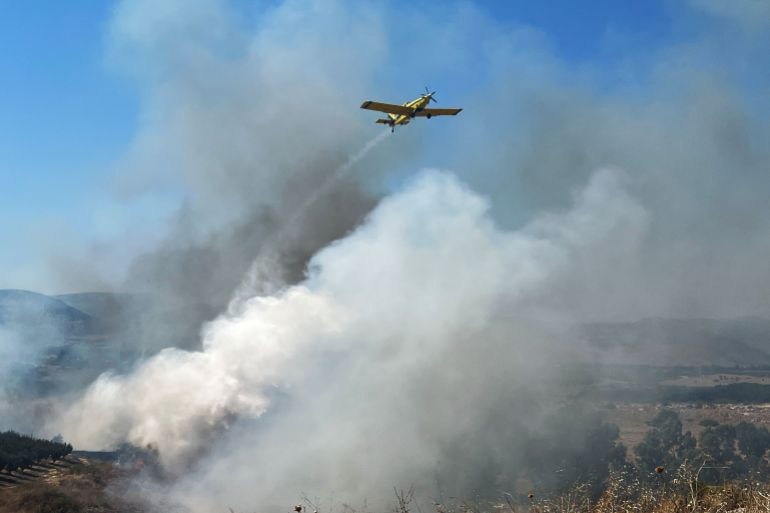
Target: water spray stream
[(342, 171), (253, 282)]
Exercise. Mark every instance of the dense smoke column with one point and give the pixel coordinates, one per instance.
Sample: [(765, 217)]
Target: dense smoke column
[(249, 126), (393, 344)]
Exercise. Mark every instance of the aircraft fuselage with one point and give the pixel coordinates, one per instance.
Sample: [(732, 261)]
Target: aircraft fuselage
[(416, 105)]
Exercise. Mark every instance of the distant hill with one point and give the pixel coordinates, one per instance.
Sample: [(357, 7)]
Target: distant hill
[(55, 344), (687, 342), (22, 307), (91, 332), (99, 304)]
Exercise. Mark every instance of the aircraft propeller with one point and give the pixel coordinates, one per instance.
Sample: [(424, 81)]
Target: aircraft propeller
[(430, 95)]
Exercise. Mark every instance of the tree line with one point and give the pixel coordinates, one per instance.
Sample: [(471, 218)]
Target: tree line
[(722, 452), (19, 451), (581, 447)]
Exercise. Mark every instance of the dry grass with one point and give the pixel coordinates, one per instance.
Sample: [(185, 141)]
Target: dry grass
[(682, 494)]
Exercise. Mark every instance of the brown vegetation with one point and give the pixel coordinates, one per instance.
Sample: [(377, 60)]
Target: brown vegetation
[(81, 488), (685, 493)]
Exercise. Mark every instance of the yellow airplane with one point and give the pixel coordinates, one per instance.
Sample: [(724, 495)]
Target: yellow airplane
[(403, 114)]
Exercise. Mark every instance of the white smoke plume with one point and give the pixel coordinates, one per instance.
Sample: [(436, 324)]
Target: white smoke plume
[(400, 339)]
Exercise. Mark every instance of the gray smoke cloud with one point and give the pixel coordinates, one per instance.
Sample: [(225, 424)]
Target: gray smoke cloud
[(696, 162), (348, 367), (686, 122), (249, 123)]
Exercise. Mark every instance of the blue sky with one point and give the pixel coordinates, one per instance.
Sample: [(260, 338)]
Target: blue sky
[(65, 118), (68, 114), (65, 115)]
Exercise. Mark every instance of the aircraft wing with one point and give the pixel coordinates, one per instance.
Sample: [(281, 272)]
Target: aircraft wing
[(388, 108), (437, 112)]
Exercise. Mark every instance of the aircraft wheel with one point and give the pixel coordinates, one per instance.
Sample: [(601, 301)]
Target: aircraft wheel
[(428, 116)]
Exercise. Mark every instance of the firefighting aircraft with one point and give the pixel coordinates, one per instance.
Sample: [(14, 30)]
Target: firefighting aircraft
[(403, 114)]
